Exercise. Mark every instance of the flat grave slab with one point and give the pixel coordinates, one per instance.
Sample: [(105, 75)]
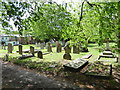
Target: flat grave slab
[(76, 64), (25, 56), (28, 51), (107, 53), (87, 56), (98, 69)]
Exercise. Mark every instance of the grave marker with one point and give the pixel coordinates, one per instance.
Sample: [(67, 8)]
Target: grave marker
[(76, 64), (67, 48), (58, 47), (40, 55), (10, 48), (42, 45), (32, 50), (49, 47), (76, 49), (20, 49), (67, 56)]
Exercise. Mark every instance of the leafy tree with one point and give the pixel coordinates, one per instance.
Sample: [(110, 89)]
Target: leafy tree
[(14, 11), (48, 20)]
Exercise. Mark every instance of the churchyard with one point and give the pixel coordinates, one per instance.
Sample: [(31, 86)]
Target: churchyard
[(56, 63)]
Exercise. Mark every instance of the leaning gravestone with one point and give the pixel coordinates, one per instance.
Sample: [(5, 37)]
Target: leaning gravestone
[(20, 49), (67, 56), (76, 49), (32, 50), (40, 55), (10, 48), (58, 47), (67, 48), (49, 47)]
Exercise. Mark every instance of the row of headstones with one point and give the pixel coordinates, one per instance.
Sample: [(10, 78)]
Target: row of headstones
[(67, 48), (39, 53)]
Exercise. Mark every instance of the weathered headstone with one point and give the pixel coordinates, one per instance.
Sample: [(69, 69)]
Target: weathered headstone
[(40, 55), (49, 47), (42, 45), (10, 48), (67, 48), (76, 49), (32, 50), (107, 44), (37, 45), (58, 47), (20, 49), (67, 56)]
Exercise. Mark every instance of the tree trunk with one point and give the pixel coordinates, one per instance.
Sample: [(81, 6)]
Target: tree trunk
[(119, 32)]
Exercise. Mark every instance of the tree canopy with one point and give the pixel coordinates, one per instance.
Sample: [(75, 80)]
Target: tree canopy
[(78, 22)]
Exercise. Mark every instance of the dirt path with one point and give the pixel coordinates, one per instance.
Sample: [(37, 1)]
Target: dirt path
[(14, 76)]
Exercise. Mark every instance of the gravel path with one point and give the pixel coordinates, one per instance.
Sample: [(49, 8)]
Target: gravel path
[(14, 76)]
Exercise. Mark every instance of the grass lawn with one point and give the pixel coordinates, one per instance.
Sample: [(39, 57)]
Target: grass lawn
[(58, 57)]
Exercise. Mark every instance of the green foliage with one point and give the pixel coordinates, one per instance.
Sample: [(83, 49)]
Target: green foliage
[(48, 20), (14, 11)]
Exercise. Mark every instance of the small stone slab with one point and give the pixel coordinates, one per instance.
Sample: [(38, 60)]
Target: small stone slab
[(87, 56), (107, 53), (76, 64), (46, 53), (28, 51), (109, 60), (106, 56), (25, 56)]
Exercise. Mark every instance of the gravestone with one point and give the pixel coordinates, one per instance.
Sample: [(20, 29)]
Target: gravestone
[(67, 48), (84, 49), (67, 56), (37, 45), (107, 44), (40, 55), (49, 47), (58, 47), (41, 45), (10, 48), (20, 49), (32, 50), (76, 49)]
